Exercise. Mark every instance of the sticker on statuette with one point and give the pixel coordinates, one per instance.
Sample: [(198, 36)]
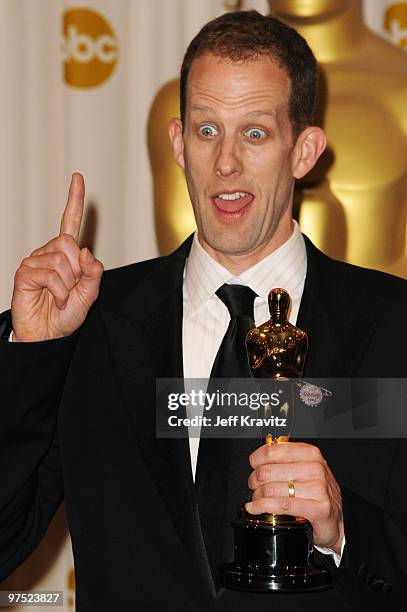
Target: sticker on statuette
[(311, 395)]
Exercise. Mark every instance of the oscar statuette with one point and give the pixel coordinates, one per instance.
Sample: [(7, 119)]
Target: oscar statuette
[(272, 551)]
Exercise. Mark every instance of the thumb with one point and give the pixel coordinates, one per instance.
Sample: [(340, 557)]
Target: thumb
[(92, 270)]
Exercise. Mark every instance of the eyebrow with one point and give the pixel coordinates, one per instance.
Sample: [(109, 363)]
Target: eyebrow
[(202, 109), (254, 114), (260, 113)]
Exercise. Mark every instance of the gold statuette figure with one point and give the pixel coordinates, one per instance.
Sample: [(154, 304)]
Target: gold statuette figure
[(277, 349), (273, 552)]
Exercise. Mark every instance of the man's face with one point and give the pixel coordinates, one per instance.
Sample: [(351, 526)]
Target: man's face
[(237, 151)]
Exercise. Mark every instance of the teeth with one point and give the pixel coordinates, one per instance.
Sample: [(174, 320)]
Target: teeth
[(232, 196)]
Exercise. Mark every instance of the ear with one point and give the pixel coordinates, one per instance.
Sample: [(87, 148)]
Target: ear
[(177, 141), (309, 147)]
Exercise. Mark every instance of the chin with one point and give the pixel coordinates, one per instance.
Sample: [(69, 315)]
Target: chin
[(229, 246)]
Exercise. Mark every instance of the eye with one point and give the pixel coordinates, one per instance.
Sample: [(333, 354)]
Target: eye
[(255, 134), (207, 131)]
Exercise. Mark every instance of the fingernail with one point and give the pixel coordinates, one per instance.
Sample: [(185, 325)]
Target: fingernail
[(249, 506), (89, 255)]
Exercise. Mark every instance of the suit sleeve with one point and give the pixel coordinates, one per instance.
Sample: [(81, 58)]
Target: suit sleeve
[(373, 569), (31, 487), (372, 574)]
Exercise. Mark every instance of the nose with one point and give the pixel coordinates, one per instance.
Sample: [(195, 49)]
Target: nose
[(228, 160)]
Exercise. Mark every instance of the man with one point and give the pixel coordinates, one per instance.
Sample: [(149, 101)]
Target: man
[(79, 396)]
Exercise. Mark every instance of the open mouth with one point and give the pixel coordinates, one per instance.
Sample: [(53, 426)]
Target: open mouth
[(232, 205)]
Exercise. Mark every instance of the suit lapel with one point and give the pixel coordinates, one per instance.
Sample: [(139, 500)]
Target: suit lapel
[(145, 339), (338, 335)]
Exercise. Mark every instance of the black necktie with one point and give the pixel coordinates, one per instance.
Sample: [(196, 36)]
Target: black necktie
[(223, 467)]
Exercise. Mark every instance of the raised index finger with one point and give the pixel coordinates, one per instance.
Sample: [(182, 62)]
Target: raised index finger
[(72, 215)]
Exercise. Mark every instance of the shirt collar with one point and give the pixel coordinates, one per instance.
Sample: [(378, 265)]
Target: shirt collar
[(285, 267)]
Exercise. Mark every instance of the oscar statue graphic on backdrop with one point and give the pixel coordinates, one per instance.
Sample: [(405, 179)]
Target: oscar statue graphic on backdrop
[(361, 177), (273, 552)]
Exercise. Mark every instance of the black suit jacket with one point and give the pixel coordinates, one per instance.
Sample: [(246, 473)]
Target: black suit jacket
[(77, 420)]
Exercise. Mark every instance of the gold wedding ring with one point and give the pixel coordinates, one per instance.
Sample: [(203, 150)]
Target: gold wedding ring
[(291, 488)]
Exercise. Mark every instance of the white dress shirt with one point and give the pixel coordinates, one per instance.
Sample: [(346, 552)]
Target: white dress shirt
[(206, 318)]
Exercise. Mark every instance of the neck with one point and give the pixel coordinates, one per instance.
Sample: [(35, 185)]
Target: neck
[(331, 37), (236, 264)]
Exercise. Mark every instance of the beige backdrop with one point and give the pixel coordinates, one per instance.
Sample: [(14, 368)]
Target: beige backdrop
[(75, 91)]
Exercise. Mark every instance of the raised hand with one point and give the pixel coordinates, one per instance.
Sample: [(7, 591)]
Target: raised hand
[(57, 284)]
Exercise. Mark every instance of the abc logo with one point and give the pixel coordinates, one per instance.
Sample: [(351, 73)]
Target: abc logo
[(395, 22), (89, 48)]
